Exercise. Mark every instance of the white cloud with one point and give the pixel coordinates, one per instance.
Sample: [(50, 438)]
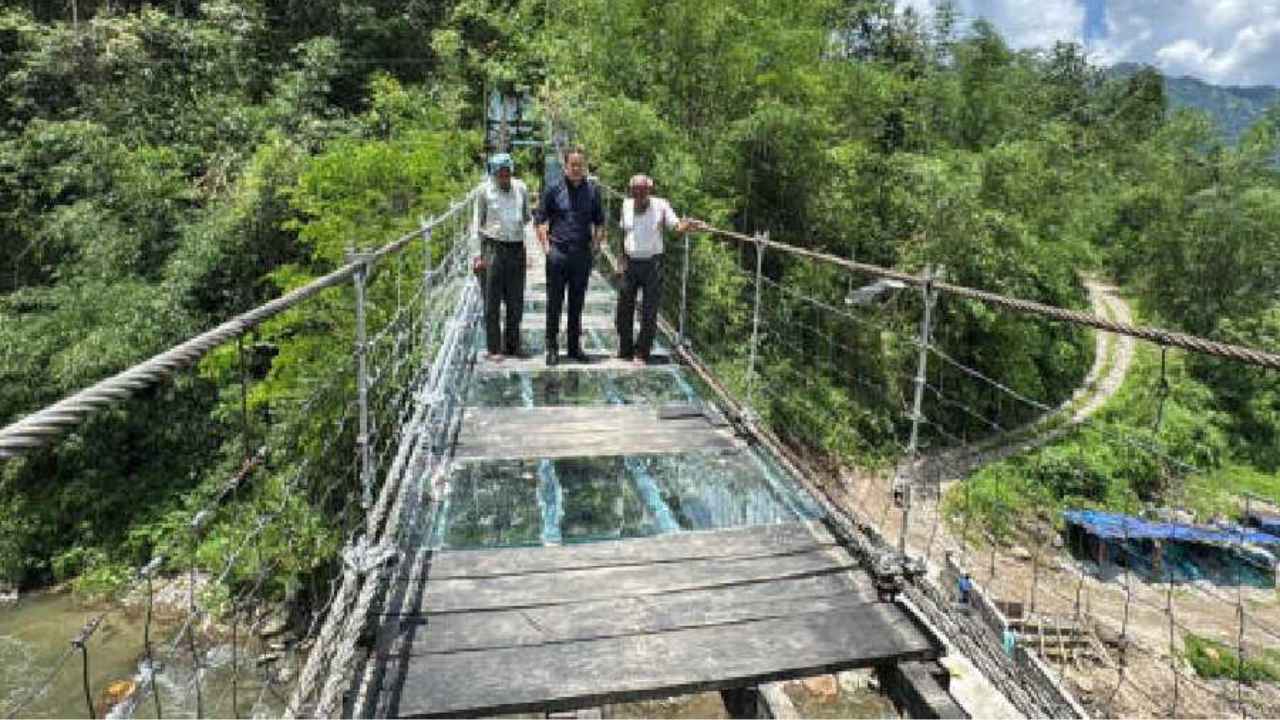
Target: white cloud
[(1185, 52), (1223, 41), (1233, 42), (1031, 23)]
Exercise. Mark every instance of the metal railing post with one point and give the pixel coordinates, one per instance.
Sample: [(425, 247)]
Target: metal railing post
[(428, 272), (149, 573), (362, 380), (473, 225), (684, 293), (197, 531), (81, 643), (755, 321), (913, 445), (606, 249)]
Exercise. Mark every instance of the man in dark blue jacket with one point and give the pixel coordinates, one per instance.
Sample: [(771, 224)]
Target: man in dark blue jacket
[(570, 230)]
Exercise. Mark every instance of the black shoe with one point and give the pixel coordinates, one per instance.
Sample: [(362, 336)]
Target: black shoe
[(516, 354), (577, 355), (553, 358), (626, 356)]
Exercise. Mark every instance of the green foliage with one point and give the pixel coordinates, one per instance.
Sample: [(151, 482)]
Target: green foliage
[(1212, 659), (160, 172), (102, 580), (1121, 461), (157, 175)]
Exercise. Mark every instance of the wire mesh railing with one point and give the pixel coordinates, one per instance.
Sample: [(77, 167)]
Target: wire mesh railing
[(908, 421), (301, 479)]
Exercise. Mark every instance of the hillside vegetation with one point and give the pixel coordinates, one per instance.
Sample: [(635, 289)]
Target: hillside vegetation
[(164, 168), (1233, 109)]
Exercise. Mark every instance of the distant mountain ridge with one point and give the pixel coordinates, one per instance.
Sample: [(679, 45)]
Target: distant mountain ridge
[(1235, 108)]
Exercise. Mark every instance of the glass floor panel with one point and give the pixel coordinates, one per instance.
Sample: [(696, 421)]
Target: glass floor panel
[(533, 341), (596, 284), (541, 388), (590, 307), (525, 502), (491, 504)]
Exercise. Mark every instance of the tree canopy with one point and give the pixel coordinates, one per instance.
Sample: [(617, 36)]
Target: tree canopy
[(165, 166)]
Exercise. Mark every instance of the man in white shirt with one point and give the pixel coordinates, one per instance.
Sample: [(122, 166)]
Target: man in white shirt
[(499, 255), (643, 220)]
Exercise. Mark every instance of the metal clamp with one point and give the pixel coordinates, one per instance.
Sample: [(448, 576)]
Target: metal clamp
[(363, 558), (87, 632)]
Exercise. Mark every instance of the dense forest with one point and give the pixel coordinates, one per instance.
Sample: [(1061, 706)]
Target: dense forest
[(163, 167)]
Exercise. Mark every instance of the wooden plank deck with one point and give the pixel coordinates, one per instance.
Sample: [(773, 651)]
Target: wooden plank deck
[(555, 432), (547, 629), (569, 627)]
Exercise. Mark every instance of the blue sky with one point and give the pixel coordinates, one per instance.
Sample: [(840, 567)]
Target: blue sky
[(1229, 42), (1095, 20)]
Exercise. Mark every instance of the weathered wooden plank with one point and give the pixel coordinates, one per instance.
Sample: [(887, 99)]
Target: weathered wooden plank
[(600, 443), (576, 622), (558, 414), (583, 431), (602, 583), (562, 676), (755, 541)]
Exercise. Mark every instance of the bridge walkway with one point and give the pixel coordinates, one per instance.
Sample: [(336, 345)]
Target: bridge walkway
[(604, 536)]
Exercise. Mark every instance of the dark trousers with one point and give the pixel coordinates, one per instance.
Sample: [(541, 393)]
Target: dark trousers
[(567, 270), (643, 276), (503, 284)]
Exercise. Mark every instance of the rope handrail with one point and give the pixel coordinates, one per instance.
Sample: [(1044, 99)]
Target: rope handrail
[(1165, 338), (1168, 338), (41, 427)]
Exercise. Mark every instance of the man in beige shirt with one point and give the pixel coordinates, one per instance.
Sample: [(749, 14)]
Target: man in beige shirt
[(503, 212), (644, 218)]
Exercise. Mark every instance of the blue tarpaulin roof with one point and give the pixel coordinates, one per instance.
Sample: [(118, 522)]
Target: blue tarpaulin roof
[(1117, 526), (1266, 522)]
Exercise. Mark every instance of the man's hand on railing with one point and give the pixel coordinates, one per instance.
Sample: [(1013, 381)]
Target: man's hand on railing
[(688, 225)]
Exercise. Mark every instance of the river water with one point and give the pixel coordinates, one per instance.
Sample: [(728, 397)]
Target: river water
[(35, 636)]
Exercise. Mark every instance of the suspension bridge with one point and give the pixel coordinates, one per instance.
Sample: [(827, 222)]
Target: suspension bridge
[(554, 539)]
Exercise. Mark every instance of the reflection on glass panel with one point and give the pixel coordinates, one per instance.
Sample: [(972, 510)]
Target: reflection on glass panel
[(567, 500), (539, 388), (490, 504), (534, 341), (601, 502), (590, 307), (720, 489)]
